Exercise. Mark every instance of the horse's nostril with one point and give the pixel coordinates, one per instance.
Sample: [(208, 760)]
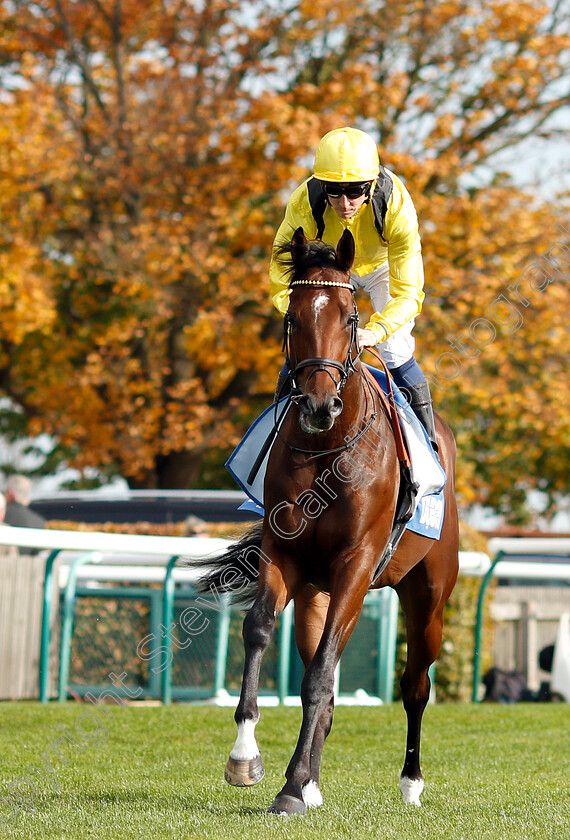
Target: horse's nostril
[(336, 406), (327, 408)]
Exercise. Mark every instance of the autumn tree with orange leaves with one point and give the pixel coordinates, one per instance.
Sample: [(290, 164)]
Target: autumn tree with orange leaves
[(147, 153)]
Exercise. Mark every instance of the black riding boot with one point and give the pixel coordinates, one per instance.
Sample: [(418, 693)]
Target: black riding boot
[(420, 400)]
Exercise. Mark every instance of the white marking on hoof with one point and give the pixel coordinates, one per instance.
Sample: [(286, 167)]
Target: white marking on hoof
[(411, 790), (312, 796), (245, 747)]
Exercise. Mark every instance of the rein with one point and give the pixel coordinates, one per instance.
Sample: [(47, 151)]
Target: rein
[(390, 406), (312, 454)]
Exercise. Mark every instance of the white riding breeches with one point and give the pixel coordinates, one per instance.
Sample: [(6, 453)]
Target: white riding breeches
[(399, 348)]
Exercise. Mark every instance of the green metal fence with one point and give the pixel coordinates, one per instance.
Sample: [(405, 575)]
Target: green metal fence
[(172, 644), (162, 640)]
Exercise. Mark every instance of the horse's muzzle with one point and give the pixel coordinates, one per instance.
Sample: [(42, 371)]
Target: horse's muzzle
[(318, 416)]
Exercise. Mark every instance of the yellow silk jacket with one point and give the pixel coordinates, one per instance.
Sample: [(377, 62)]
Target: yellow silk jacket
[(399, 245)]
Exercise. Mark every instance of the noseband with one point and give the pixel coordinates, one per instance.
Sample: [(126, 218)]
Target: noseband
[(320, 363)]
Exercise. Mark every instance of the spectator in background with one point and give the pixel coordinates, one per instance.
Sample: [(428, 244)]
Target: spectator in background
[(2, 508), (195, 527), (18, 492)]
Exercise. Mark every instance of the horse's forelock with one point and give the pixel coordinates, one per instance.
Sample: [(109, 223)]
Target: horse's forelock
[(316, 255)]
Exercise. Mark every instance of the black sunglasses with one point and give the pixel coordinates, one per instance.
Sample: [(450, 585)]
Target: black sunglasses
[(333, 190)]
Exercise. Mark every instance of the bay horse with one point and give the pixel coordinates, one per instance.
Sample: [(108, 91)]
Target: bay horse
[(328, 517)]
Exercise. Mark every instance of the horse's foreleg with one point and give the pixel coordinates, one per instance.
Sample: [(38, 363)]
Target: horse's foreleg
[(311, 608), (312, 796), (317, 695), (245, 765)]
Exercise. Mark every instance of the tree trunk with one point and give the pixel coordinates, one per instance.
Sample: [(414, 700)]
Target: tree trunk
[(175, 471)]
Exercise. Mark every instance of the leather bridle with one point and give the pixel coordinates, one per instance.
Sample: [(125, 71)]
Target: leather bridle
[(320, 363)]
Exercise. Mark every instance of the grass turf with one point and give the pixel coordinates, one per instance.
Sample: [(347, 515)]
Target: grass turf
[(492, 773)]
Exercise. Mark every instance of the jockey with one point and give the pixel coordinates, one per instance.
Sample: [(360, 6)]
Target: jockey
[(350, 189)]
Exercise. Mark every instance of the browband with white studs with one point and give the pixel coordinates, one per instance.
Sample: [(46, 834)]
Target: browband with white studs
[(321, 283)]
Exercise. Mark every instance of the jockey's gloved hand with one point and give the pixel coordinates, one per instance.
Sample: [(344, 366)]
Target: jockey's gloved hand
[(366, 338)]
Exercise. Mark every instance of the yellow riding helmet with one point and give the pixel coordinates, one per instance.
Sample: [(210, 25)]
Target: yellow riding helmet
[(345, 155)]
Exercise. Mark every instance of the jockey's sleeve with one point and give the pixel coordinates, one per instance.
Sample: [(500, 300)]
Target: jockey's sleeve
[(297, 214), (405, 262)]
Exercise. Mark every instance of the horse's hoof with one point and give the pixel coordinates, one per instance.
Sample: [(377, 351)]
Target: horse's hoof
[(285, 806), (244, 773)]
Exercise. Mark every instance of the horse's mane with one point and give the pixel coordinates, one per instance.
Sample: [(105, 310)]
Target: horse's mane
[(316, 255)]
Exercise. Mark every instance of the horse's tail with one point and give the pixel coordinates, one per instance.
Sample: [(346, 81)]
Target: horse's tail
[(235, 571)]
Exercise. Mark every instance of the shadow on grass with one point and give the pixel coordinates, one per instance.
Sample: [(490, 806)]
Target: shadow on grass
[(189, 803), (251, 812)]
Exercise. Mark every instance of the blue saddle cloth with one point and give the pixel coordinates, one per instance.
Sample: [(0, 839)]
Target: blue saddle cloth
[(427, 519)]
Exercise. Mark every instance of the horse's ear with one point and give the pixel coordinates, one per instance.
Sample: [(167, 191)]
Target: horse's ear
[(299, 248), (345, 250)]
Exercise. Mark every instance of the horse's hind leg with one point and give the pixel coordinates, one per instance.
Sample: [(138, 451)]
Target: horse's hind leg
[(423, 604), (245, 765)]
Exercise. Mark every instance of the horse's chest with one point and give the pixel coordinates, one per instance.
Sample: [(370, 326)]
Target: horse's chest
[(314, 527)]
